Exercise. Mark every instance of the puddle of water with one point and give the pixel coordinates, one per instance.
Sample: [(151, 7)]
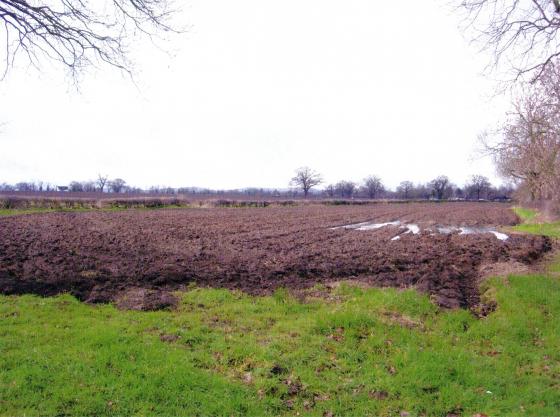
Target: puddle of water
[(501, 236), (373, 226), (410, 228), (415, 229), (351, 226), (367, 225), (472, 231)]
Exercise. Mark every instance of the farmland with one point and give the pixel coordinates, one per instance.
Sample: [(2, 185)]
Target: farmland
[(278, 311), (141, 256)]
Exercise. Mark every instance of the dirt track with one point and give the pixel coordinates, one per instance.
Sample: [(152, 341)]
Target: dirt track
[(99, 256)]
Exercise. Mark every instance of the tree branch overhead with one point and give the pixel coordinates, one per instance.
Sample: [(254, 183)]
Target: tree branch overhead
[(79, 33)]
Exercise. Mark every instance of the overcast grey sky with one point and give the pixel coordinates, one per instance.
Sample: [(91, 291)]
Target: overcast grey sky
[(257, 88)]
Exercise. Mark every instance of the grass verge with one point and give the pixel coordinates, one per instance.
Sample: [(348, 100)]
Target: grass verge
[(530, 225), (15, 212), (21, 211), (525, 214), (364, 352)]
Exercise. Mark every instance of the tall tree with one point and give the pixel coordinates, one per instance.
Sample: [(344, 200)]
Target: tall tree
[(404, 189), (345, 189), (439, 186), (373, 186), (306, 179), (117, 185), (76, 187), (101, 181), (526, 148), (478, 186)]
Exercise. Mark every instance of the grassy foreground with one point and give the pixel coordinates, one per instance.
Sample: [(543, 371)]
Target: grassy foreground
[(352, 351), (363, 352)]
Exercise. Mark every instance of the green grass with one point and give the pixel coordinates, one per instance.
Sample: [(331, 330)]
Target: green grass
[(34, 210), (364, 352), (15, 212), (530, 225), (545, 229), (525, 214)]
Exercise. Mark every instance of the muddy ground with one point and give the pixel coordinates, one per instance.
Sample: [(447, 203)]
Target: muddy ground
[(135, 257)]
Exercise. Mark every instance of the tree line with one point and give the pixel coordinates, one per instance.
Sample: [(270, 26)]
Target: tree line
[(304, 184), (478, 187)]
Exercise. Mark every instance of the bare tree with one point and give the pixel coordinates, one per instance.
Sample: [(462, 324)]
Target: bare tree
[(345, 189), (373, 186), (7, 187), (26, 186), (101, 181), (117, 185), (404, 189), (459, 193), (526, 148), (306, 179), (478, 186), (522, 33), (439, 186), (78, 33), (89, 186), (76, 187)]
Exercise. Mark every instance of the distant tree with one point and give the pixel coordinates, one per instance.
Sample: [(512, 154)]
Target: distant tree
[(330, 190), (101, 181), (478, 186), (306, 179), (89, 186), (373, 186), (439, 186), (506, 191), (459, 193), (7, 187), (345, 189), (422, 191), (26, 186), (404, 189), (75, 187), (117, 185)]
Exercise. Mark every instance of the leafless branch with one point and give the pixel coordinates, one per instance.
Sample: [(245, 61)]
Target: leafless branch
[(523, 34), (78, 33)]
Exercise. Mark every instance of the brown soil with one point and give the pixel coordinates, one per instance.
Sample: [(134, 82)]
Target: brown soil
[(135, 257), (498, 269)]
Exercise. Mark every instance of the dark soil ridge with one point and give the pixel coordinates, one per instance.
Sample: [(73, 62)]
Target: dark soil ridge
[(136, 258)]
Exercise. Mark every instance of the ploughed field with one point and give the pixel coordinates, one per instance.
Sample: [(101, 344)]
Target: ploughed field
[(135, 257)]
